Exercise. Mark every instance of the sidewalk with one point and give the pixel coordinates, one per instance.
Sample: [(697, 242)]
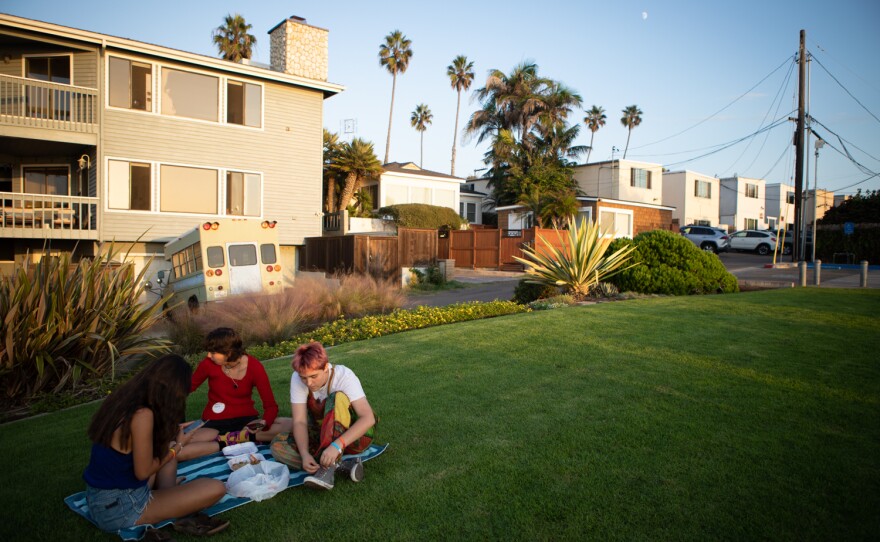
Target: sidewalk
[(468, 275), (788, 276)]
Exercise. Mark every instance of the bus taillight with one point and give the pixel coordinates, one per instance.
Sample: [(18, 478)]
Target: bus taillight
[(269, 268), (218, 272), (272, 224), (206, 226), (277, 267), (215, 226), (209, 273)]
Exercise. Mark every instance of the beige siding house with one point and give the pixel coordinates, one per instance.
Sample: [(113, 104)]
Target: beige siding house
[(109, 139)]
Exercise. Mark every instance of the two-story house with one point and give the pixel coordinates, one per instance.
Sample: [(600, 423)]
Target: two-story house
[(742, 203), (110, 139), (693, 195)]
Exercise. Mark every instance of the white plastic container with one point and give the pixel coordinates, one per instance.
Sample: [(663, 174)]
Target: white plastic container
[(240, 449)]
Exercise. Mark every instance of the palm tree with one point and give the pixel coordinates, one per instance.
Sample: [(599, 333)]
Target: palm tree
[(632, 117), (357, 161), (394, 55), (232, 39), (332, 148), (561, 208), (420, 119), (461, 75), (594, 120)]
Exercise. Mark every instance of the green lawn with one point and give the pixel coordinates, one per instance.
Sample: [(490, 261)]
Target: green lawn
[(745, 416)]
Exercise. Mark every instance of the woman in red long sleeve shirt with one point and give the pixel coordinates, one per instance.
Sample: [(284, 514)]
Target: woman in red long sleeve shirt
[(230, 415)]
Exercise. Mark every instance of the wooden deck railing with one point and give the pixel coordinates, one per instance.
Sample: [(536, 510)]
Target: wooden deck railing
[(46, 215), (39, 104)]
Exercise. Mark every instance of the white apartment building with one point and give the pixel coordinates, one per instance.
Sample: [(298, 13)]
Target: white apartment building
[(741, 203), (695, 197), (779, 206)]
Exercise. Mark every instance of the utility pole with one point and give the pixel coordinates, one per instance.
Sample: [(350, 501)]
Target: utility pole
[(797, 249)]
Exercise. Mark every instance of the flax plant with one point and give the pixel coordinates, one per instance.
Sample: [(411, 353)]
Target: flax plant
[(67, 322), (580, 264)]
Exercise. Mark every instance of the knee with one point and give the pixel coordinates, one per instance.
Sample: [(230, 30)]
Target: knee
[(217, 489)]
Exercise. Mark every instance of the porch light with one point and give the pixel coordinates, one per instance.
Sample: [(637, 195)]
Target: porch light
[(84, 162)]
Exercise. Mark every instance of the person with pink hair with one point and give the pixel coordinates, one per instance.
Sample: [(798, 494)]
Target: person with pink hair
[(331, 417)]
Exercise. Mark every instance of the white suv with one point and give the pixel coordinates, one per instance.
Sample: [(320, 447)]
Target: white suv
[(760, 241), (706, 237)]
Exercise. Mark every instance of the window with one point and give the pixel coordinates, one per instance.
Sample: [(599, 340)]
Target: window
[(751, 190), (242, 255), (130, 185), (267, 253), (216, 257), (585, 213), (641, 178), (751, 223), (188, 260), (703, 223), (703, 189), (51, 180), (468, 211), (45, 103), (243, 194), (244, 103), (789, 198), (616, 222), (131, 84), (187, 190), (191, 95)]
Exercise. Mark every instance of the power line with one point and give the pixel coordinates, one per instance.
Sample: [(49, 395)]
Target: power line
[(720, 110), (845, 89), (847, 68), (845, 151)]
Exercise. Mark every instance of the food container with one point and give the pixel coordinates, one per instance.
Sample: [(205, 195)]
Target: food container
[(240, 449), (239, 461)]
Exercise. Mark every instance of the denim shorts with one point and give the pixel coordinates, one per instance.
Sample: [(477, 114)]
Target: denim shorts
[(114, 509)]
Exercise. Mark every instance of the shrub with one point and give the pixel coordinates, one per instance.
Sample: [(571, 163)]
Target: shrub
[(270, 319), (63, 323), (344, 330), (554, 302), (420, 215), (435, 276), (527, 291), (670, 264), (582, 261), (604, 289)]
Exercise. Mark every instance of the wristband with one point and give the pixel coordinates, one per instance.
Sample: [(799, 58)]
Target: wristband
[(173, 452), (343, 443), (336, 446)]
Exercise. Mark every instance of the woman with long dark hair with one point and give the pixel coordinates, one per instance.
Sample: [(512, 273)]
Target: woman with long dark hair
[(132, 472)]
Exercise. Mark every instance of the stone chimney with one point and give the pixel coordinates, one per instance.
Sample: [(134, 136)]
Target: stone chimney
[(299, 49)]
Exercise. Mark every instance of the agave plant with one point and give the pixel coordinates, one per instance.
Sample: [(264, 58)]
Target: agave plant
[(580, 263)]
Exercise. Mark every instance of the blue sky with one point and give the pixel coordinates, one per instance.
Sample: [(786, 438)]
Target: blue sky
[(681, 62)]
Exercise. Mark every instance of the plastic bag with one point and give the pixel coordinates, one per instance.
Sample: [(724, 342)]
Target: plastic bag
[(239, 449), (258, 482)]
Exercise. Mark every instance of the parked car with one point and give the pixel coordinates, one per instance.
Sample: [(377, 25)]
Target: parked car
[(706, 237), (761, 241), (788, 245)]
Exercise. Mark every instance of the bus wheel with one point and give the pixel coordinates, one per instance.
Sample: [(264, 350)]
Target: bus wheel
[(193, 304)]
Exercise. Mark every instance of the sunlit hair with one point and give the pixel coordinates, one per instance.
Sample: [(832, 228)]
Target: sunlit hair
[(309, 357), (161, 386), (224, 340)]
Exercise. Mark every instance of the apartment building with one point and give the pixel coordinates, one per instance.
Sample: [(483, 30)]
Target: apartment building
[(779, 206), (741, 203), (109, 139)]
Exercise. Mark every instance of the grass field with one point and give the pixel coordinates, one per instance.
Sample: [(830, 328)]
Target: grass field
[(737, 417)]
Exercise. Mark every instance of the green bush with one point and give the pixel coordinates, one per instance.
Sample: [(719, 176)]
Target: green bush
[(670, 264), (420, 215), (554, 302), (344, 330), (526, 292), (66, 323)]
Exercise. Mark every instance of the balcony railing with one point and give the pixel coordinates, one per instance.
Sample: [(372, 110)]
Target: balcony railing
[(39, 104), (46, 216)]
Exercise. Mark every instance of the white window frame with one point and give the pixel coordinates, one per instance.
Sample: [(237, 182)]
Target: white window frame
[(26, 56), (584, 210), (154, 172), (220, 203), (632, 178), (617, 210), (220, 92), (223, 196), (697, 184), (748, 190), (154, 70), (224, 84)]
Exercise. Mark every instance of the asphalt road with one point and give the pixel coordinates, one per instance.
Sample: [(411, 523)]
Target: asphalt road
[(749, 269)]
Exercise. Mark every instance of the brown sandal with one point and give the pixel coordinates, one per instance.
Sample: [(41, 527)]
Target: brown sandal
[(155, 535), (200, 525)]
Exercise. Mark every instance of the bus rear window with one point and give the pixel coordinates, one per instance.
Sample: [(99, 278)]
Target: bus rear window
[(215, 257), (267, 253), (241, 255)]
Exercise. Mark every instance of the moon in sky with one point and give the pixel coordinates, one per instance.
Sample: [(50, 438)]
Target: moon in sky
[(644, 15)]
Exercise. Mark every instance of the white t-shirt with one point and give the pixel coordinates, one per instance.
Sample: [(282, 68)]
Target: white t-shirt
[(344, 380)]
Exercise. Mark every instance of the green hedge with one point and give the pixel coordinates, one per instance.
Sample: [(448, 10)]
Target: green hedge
[(863, 244), (344, 330), (420, 215), (672, 265), (526, 292)]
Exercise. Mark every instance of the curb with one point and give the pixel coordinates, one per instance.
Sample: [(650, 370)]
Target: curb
[(765, 284)]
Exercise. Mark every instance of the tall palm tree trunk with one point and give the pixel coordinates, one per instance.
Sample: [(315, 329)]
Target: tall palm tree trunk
[(455, 134), (422, 149), (590, 150), (329, 204), (351, 182), (628, 133), (390, 116)]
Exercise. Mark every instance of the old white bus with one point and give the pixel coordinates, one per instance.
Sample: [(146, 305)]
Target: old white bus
[(222, 258)]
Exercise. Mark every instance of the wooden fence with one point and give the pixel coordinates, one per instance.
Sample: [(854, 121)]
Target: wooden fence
[(381, 256), (494, 248)]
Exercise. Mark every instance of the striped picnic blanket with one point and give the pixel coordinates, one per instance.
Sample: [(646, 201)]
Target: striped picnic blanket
[(213, 466)]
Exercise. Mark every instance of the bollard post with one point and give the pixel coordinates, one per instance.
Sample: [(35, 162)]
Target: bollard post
[(817, 272), (802, 273), (863, 274)]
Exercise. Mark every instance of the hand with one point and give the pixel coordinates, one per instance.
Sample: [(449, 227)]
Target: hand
[(184, 438), (329, 456), (309, 464), (256, 425)]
